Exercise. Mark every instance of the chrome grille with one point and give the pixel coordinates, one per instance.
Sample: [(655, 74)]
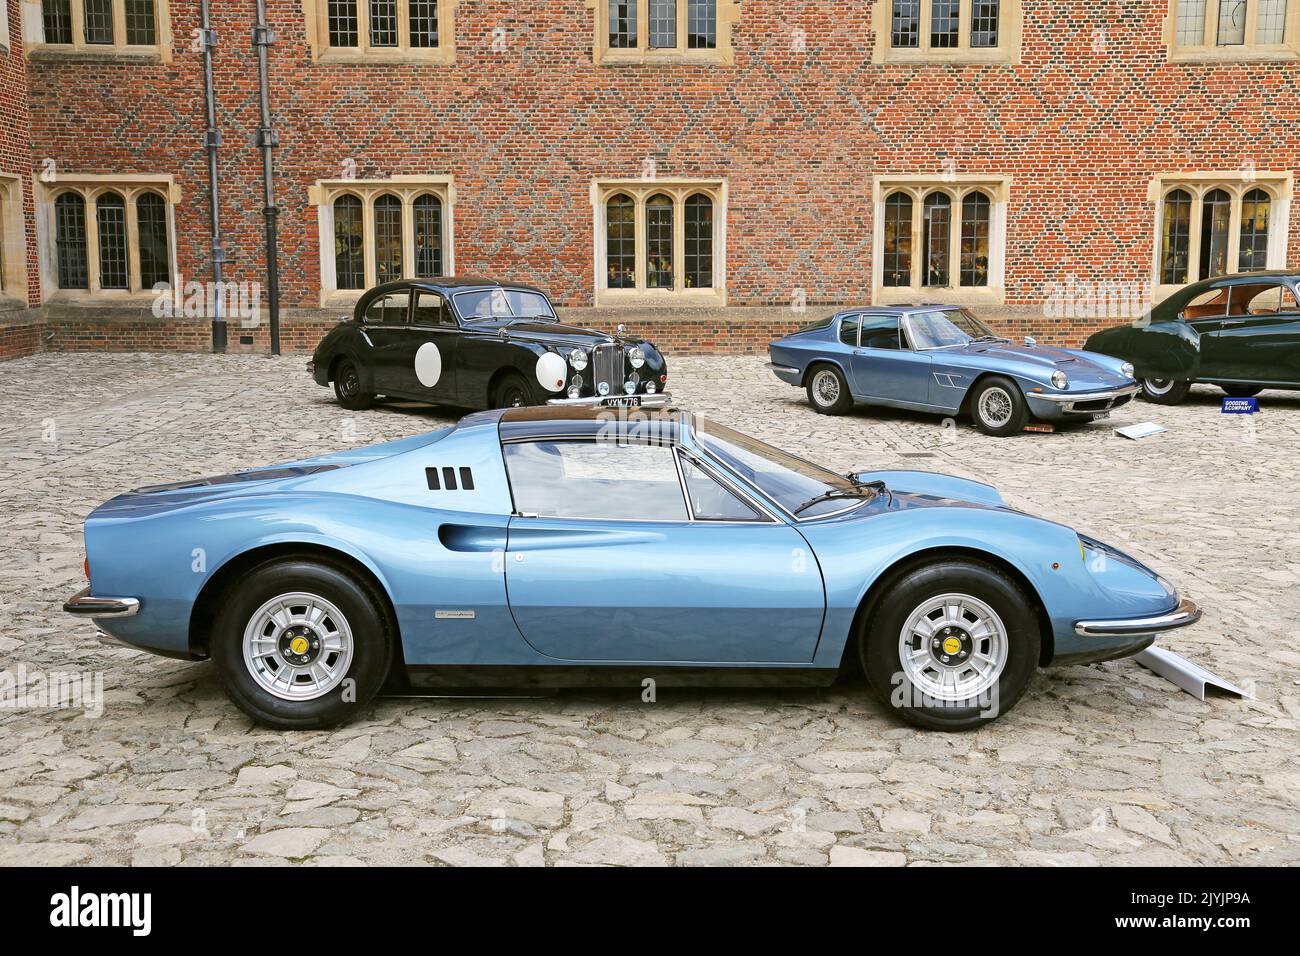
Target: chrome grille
[(607, 367)]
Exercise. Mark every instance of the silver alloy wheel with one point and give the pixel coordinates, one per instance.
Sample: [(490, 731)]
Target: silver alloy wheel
[(826, 387), (996, 407), (953, 647), (1158, 386), (298, 646)]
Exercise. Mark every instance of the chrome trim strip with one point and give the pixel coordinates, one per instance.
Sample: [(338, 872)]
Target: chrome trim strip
[(780, 368), (1186, 613), (85, 605), (1066, 398)]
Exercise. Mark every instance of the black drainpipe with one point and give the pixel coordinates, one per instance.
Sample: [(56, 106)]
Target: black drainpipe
[(268, 139), (212, 140)]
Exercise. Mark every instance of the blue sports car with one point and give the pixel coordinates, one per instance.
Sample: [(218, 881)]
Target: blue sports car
[(572, 545), (939, 358)]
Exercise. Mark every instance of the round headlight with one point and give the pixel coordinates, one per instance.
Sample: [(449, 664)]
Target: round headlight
[(636, 356), (603, 388), (1126, 370), (578, 359), (629, 386), (1060, 379)]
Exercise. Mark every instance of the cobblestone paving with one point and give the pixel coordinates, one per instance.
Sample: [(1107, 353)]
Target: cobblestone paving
[(1105, 764)]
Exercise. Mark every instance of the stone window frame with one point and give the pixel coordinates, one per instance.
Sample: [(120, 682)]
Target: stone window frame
[(13, 239), (956, 187), (640, 190), (34, 34), (605, 55), (407, 188), (90, 187), (1209, 51), (1279, 187), (1008, 50), (316, 15)]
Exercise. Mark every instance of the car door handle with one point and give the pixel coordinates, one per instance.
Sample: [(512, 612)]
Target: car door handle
[(1228, 322)]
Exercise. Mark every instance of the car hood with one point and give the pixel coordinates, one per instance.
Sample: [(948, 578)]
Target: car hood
[(152, 499), (1084, 369), (552, 333), (931, 489)]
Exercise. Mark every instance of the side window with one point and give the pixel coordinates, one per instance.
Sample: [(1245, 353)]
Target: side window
[(389, 309), (589, 479), (431, 309), (849, 329), (1209, 304), (880, 332), (710, 501), (1262, 300)]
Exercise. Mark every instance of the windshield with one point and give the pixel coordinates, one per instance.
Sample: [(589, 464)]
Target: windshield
[(946, 327), (503, 304), (790, 481)]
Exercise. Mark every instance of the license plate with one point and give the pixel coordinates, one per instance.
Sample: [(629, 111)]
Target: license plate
[(1100, 416), (622, 401)]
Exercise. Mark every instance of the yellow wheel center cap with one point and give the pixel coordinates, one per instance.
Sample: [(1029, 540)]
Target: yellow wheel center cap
[(950, 645), (299, 645)]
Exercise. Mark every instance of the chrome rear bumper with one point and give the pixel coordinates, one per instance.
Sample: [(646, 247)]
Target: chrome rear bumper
[(1186, 613), (84, 605)]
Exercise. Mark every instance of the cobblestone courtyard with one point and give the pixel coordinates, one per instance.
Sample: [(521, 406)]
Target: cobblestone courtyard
[(1105, 764)]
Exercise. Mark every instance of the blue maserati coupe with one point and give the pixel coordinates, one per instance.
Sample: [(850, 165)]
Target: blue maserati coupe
[(942, 359), (575, 544)]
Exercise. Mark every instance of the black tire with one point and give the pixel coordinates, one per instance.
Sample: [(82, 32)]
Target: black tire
[(828, 392), (879, 644), (366, 617), (513, 391), (347, 387), (1165, 391), (998, 406), (1241, 391)]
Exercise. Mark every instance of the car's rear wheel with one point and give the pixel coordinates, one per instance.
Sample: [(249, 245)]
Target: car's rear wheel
[(828, 391), (1241, 391), (301, 644), (513, 391), (999, 407), (951, 645), (1165, 391), (347, 387)]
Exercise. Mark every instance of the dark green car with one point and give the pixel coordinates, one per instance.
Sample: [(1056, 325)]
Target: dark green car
[(1240, 332)]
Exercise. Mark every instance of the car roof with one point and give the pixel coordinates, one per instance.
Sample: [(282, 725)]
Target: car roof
[(1246, 278), (451, 284), (899, 310), (666, 423)]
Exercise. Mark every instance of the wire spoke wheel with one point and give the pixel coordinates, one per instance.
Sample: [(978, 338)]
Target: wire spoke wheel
[(298, 646), (826, 386), (953, 647), (996, 407)]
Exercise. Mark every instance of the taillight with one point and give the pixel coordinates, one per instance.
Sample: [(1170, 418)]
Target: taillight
[(86, 567)]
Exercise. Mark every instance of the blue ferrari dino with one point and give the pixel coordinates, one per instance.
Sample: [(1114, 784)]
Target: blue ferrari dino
[(942, 359), (570, 545)]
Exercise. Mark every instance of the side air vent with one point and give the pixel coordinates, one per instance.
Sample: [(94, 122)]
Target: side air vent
[(444, 479)]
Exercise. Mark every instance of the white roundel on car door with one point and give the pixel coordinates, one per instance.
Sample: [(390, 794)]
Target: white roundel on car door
[(428, 365), (551, 369)]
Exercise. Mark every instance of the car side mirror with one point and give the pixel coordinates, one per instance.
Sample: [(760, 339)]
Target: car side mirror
[(1182, 316), (1030, 341)]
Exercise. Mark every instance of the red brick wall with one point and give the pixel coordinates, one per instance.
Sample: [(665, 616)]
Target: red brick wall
[(798, 136), (16, 140)]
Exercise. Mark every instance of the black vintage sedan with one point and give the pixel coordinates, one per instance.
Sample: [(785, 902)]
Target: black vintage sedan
[(1240, 332), (476, 343)]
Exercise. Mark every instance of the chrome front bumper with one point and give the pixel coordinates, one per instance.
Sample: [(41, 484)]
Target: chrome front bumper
[(1067, 402), (657, 400), (1186, 613), (84, 605)]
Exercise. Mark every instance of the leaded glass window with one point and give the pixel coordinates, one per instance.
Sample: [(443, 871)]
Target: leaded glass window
[(140, 24), (70, 241), (1190, 22), (945, 22), (151, 223), (936, 232), (56, 18), (1176, 238), (702, 24), (622, 24), (343, 23), (984, 23), (663, 24), (620, 242), (975, 217), (1232, 22), (1253, 254), (1216, 213), (99, 22), (110, 217), (1270, 25), (349, 244), (898, 240), (427, 210), (698, 222), (383, 23), (424, 23), (659, 242), (905, 23), (388, 238)]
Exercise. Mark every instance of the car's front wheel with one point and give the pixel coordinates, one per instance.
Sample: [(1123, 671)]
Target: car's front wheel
[(1241, 391), (828, 391), (1165, 391), (951, 645), (347, 387), (301, 644), (998, 407), (513, 391)]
